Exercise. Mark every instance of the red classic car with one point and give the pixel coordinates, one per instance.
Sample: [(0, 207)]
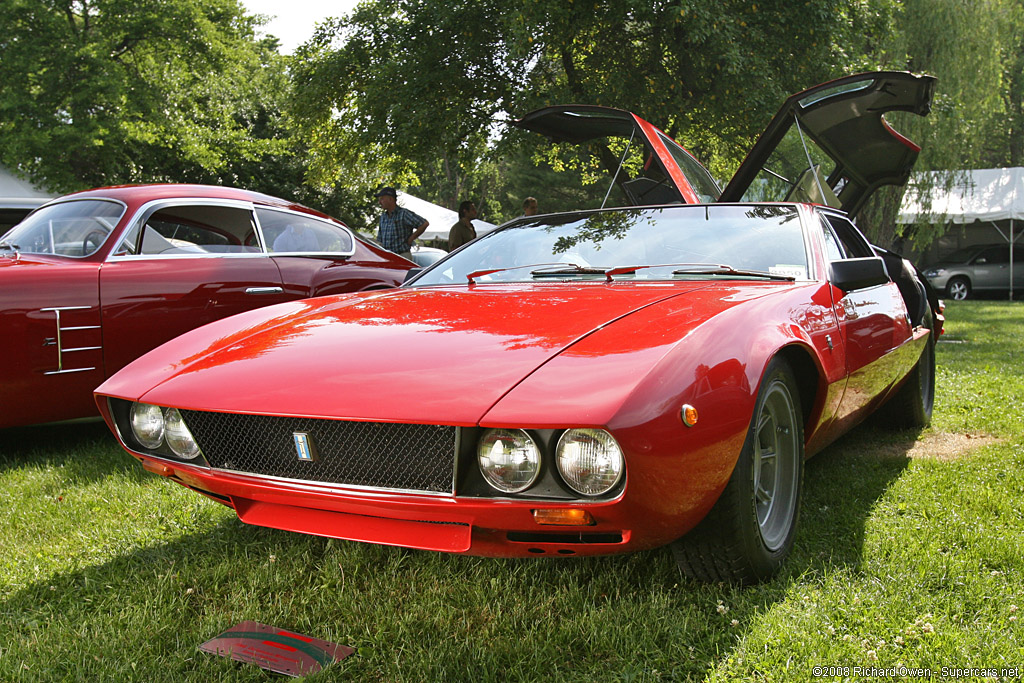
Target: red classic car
[(579, 383), (93, 280)]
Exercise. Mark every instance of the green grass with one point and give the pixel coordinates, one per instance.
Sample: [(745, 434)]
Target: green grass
[(110, 573)]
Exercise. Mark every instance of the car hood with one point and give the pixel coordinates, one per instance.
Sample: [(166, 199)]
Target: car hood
[(412, 355), (25, 260)]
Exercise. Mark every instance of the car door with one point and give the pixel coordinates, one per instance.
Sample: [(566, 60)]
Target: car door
[(874, 325), (51, 342), (992, 268), (181, 264), (831, 144)]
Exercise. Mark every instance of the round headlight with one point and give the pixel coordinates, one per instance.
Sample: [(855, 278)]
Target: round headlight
[(509, 459), (179, 439), (148, 424), (589, 460)]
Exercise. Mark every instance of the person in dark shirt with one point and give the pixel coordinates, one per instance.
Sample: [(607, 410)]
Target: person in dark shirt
[(463, 231)]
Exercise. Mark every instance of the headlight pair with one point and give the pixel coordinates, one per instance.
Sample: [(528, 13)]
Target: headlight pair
[(154, 426), (589, 461)]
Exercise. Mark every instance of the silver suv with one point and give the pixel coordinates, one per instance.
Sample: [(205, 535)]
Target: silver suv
[(977, 268)]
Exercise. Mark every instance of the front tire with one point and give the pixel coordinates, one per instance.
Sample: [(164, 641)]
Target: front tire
[(749, 532), (959, 288)]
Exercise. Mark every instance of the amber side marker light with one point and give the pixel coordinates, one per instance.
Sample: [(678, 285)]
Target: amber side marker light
[(563, 517), (689, 414), (157, 468)]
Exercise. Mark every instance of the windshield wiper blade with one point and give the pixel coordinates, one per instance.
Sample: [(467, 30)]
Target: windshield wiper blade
[(9, 245), (625, 270), (487, 271), (571, 269), (720, 269)]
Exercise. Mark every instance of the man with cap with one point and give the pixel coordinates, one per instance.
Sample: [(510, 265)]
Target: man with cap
[(398, 227)]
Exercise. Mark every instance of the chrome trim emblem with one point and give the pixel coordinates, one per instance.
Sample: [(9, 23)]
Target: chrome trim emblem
[(304, 446)]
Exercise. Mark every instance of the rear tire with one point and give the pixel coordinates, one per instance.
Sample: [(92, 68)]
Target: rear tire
[(959, 288), (749, 532)]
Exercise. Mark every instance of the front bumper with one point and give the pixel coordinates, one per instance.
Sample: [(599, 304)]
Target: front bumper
[(488, 527), (665, 492)]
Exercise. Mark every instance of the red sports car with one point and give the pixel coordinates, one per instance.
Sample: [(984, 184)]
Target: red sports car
[(580, 383), (95, 279)]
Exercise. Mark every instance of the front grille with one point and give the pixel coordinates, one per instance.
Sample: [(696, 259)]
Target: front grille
[(375, 454)]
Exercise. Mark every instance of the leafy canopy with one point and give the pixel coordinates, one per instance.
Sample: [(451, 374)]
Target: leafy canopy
[(97, 92)]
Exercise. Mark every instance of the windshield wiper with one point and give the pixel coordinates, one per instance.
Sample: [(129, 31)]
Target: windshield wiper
[(697, 269), (9, 245), (572, 269), (487, 271), (721, 269), (543, 270)]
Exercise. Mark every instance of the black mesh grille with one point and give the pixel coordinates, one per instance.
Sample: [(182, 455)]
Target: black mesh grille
[(392, 456)]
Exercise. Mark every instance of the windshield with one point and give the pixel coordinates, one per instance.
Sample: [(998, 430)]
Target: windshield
[(682, 242), (73, 228)]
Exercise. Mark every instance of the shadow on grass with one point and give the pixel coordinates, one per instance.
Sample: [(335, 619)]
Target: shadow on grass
[(841, 486), (86, 450), (422, 615)]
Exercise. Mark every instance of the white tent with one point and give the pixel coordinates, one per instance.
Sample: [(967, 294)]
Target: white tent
[(988, 195), (17, 198), (441, 219), (19, 194)]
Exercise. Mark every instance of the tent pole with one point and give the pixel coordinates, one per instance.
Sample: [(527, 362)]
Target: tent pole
[(1011, 259)]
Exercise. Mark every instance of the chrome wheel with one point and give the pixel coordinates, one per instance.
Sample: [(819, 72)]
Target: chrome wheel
[(775, 465), (959, 288)]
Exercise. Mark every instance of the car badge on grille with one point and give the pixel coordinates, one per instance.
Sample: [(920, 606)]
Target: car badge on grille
[(304, 446)]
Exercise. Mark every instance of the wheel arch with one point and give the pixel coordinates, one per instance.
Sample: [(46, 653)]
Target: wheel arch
[(808, 380)]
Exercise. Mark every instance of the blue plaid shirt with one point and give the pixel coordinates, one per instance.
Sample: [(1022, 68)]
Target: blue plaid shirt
[(395, 229)]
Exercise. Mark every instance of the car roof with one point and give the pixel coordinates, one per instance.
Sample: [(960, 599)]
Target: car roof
[(138, 194)]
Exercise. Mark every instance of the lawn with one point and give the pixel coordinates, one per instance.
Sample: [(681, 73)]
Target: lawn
[(910, 554)]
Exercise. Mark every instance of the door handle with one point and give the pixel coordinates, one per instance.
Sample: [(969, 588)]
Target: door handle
[(263, 290)]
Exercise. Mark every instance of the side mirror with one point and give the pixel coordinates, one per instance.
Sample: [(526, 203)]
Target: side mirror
[(858, 273), (411, 273)]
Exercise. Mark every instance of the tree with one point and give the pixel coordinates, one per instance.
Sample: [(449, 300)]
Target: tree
[(973, 48), (99, 92)]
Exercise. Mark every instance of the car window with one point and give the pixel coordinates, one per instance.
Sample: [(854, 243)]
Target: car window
[(182, 229), (855, 245), (798, 170), (287, 232), (701, 181), (961, 255), (833, 249), (995, 255), (73, 228)]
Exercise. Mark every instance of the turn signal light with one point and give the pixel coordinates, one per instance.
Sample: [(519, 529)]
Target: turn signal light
[(689, 414), (563, 517), (157, 468)]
